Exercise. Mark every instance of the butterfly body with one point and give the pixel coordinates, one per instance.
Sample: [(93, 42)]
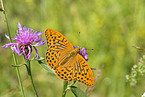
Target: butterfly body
[(68, 64), (68, 56)]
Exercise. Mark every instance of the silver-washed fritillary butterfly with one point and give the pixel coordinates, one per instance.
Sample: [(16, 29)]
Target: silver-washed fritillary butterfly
[(67, 63)]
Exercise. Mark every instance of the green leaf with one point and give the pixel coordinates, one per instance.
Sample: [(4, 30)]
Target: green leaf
[(44, 66), (77, 92), (73, 83), (1, 9), (18, 65), (64, 88)]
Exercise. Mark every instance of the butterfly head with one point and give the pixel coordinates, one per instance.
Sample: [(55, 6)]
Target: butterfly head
[(82, 52), (77, 50), (74, 52)]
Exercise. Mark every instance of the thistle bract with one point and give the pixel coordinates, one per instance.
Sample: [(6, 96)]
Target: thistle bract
[(25, 40)]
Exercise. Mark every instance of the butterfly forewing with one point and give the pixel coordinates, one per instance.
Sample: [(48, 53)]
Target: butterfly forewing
[(56, 41), (58, 46)]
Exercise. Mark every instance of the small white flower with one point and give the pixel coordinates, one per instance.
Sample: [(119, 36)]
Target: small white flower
[(143, 95)]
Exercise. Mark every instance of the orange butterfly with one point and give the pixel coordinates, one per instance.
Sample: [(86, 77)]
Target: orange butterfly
[(68, 64)]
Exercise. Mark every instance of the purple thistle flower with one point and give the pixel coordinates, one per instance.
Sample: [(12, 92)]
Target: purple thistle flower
[(25, 39), (82, 52)]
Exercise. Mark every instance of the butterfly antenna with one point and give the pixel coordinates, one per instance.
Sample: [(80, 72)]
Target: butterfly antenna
[(90, 49), (94, 68), (79, 39)]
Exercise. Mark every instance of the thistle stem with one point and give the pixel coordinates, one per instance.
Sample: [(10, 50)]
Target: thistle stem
[(30, 76), (64, 88), (18, 75), (14, 56)]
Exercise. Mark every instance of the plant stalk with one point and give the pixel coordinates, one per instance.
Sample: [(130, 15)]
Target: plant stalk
[(30, 76), (14, 56), (64, 88)]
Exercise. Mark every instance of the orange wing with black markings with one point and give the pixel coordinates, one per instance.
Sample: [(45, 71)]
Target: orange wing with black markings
[(77, 69), (65, 60), (57, 46)]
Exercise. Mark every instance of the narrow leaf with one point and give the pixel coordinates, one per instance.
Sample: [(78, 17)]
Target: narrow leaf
[(77, 92), (64, 88), (20, 66), (73, 83), (17, 65), (39, 58), (44, 66)]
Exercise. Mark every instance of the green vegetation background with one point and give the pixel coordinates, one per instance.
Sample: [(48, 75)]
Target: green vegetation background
[(110, 27)]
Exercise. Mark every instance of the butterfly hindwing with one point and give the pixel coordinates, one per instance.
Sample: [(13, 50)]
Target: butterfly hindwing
[(83, 71), (51, 58), (54, 57), (76, 69)]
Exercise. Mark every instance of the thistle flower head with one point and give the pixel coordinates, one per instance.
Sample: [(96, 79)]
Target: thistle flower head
[(82, 52), (25, 40)]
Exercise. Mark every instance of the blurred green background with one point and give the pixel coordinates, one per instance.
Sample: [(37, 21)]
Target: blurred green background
[(110, 27)]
